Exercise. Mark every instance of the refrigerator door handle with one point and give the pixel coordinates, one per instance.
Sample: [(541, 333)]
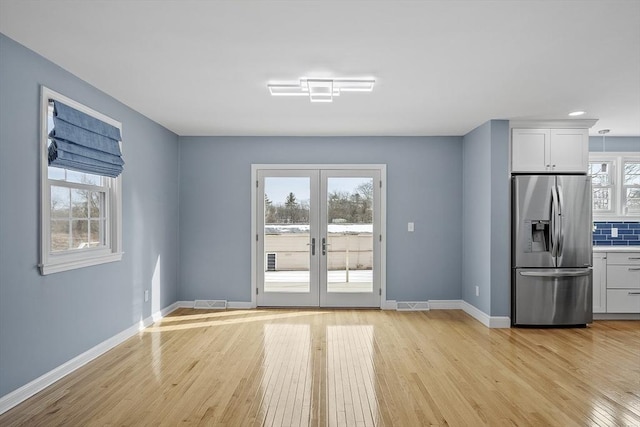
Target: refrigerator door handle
[(560, 221), (574, 273), (554, 222)]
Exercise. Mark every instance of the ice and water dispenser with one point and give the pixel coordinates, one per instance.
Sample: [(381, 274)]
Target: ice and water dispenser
[(537, 237)]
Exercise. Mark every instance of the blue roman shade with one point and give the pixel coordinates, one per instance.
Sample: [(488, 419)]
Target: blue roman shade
[(83, 143)]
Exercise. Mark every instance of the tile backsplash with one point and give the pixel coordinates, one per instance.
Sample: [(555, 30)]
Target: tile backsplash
[(628, 233)]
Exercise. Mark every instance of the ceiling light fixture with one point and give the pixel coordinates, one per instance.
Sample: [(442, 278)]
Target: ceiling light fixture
[(321, 89), (604, 132), (576, 113)]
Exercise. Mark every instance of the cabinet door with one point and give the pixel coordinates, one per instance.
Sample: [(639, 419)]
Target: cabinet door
[(623, 301), (530, 150), (624, 258), (623, 276), (569, 150), (599, 283)]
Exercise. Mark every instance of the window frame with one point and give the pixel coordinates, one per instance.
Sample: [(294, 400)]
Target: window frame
[(617, 161), (54, 262)]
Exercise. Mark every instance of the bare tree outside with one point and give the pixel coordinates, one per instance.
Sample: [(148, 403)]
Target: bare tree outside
[(77, 217), (290, 211)]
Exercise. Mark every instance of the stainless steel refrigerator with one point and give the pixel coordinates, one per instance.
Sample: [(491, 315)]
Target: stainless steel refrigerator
[(551, 250)]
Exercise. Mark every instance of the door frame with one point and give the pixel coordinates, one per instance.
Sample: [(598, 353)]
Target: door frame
[(383, 216)]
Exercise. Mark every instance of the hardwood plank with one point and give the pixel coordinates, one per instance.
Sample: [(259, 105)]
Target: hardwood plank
[(349, 367)]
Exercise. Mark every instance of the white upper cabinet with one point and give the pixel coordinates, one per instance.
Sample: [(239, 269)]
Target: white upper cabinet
[(549, 150), (530, 150), (570, 150)]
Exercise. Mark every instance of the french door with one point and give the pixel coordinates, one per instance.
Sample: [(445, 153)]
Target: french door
[(318, 237)]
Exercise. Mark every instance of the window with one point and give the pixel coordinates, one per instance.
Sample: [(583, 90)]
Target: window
[(602, 186), (80, 211), (616, 185), (631, 186)]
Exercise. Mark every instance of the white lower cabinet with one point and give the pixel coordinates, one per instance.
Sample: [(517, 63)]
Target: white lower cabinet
[(623, 276), (616, 282), (623, 301), (599, 282)]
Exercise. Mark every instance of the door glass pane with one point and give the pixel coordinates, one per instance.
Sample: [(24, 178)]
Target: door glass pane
[(286, 234), (349, 234)]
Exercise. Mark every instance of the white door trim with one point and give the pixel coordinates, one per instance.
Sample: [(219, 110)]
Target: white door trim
[(383, 216)]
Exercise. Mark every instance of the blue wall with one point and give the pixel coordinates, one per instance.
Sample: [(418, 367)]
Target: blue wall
[(47, 320), (476, 217), (614, 143), (424, 185), (500, 220), (486, 218)]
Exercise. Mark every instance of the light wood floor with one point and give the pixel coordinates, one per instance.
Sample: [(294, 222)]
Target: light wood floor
[(350, 367)]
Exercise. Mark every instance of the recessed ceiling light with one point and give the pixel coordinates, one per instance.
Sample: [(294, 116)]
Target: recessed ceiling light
[(321, 89), (576, 113)]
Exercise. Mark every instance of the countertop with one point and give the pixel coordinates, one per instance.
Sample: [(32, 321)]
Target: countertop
[(616, 249)]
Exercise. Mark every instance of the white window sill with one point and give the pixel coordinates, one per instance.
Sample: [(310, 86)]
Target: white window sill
[(58, 266)]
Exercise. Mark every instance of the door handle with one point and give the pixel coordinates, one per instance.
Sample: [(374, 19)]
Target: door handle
[(555, 235), (556, 274), (313, 245), (560, 192), (324, 246)]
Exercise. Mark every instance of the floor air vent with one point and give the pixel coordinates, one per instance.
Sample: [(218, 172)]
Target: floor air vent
[(412, 305), (219, 304), (271, 262)]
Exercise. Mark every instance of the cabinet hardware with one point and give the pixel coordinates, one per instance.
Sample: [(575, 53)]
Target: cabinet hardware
[(634, 257), (634, 293), (634, 269)]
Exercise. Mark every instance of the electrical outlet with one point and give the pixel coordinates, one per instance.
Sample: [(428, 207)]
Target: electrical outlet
[(614, 232), (477, 291), (146, 295), (410, 227)]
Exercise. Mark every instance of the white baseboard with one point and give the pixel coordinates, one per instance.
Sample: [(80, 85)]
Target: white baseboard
[(240, 305), (389, 305), (476, 313), (453, 304), (21, 394), (412, 305), (500, 322), (484, 318), (230, 304), (616, 316), (185, 304)]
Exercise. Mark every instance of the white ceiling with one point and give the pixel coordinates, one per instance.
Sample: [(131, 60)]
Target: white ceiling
[(442, 67)]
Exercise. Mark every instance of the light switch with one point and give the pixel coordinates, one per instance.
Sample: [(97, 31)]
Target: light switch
[(410, 227), (614, 232)]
